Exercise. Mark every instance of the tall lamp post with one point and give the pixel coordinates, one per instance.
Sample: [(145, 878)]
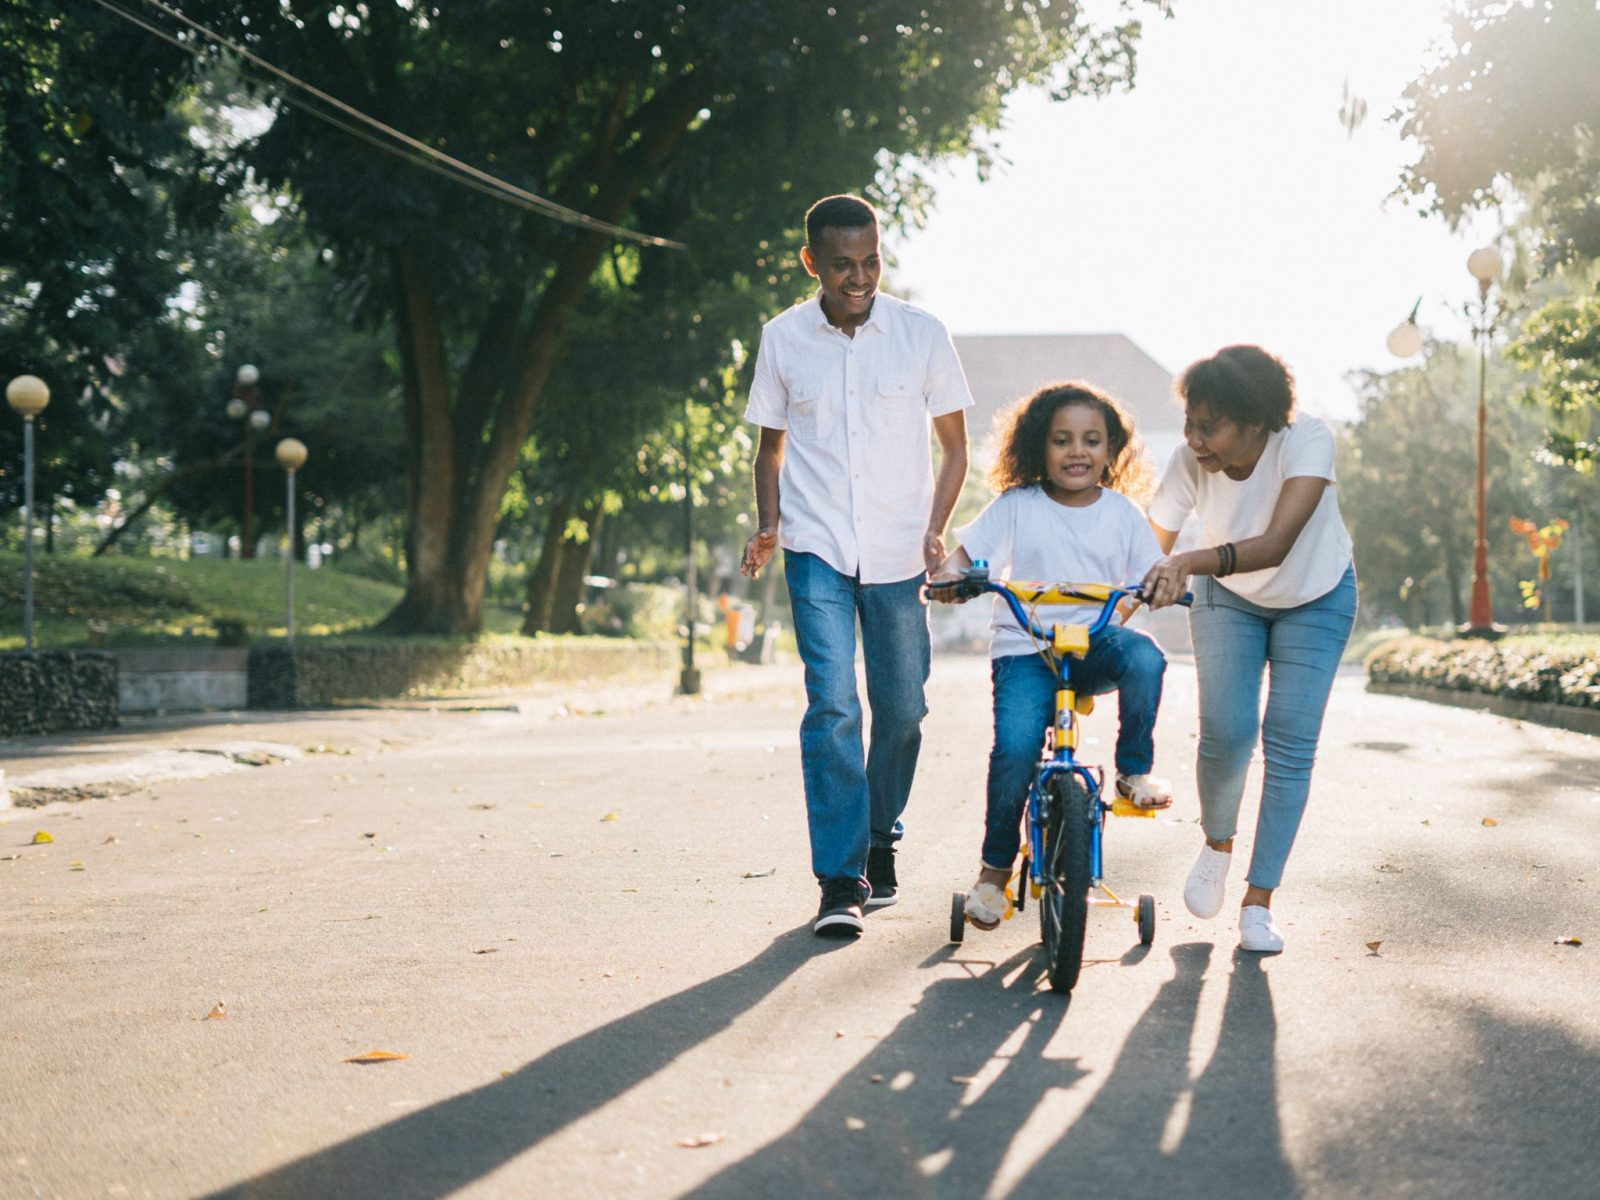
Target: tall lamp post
[(1485, 266), (1405, 340), (245, 406), (28, 395), (689, 677), (291, 454)]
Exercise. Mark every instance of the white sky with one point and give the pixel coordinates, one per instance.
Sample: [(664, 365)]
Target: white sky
[(1219, 201)]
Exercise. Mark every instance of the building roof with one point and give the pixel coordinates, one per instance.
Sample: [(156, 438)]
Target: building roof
[(1004, 368)]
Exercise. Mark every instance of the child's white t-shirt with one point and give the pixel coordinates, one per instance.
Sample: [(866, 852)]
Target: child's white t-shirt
[(1025, 535), (1231, 510)]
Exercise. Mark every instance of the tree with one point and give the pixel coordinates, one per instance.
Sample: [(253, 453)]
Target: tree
[(713, 124), (1485, 133), (96, 173)]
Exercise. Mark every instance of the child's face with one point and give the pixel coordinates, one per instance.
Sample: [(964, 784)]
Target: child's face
[(1076, 454)]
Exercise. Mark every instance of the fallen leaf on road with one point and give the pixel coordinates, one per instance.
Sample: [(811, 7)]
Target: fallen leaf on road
[(761, 874), (630, 889), (369, 835), (701, 1139), (961, 1079), (1569, 941), (42, 838), (854, 1124), (1373, 946), (488, 950), (109, 840), (376, 1056), (1490, 821), (218, 1011), (482, 807), (610, 816), (1425, 821), (875, 1079), (75, 866)]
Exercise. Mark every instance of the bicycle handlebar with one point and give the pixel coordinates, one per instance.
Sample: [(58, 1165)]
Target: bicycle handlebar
[(975, 581)]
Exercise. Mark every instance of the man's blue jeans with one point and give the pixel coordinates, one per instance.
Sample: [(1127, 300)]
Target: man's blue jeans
[(855, 799), (1122, 660), (1298, 649)]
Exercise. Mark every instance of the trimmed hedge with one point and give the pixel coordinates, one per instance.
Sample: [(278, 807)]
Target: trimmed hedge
[(1545, 673), (57, 690), (313, 674)]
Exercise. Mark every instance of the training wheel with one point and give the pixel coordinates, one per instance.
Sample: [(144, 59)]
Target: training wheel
[(1146, 917), (958, 917)]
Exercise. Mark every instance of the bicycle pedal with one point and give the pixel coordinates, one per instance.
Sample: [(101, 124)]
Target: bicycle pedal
[(1124, 807)]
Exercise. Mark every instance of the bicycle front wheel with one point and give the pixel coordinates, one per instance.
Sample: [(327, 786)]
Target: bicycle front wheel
[(1064, 906)]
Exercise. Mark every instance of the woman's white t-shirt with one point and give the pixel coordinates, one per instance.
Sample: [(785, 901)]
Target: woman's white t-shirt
[(1231, 510), (1025, 535)]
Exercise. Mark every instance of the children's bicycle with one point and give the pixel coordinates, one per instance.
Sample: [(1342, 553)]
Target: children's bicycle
[(1063, 869)]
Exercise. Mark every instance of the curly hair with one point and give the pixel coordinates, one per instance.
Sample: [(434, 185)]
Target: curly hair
[(1242, 384), (1024, 430)]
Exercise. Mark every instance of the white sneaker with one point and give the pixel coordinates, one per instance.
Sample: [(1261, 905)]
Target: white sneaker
[(1207, 881), (1258, 931)]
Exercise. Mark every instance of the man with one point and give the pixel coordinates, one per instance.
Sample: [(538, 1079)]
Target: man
[(845, 386)]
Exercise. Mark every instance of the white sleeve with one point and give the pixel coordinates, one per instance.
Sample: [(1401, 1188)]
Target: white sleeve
[(769, 398), (989, 535), (1308, 450), (945, 389), (1175, 497)]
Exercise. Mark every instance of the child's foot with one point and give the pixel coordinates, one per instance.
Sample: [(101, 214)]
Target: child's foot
[(987, 903), (1145, 791)]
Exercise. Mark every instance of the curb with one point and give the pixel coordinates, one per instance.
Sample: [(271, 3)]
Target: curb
[(1538, 712)]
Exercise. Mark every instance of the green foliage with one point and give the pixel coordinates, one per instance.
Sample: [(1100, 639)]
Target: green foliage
[(1560, 346), (142, 600)]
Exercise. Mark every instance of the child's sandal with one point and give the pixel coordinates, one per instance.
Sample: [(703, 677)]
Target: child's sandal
[(1145, 791), (987, 905)]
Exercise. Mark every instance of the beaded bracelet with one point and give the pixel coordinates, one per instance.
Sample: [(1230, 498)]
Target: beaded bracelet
[(1227, 559)]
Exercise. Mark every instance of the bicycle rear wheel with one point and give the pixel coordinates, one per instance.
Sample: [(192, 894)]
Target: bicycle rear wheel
[(1064, 906)]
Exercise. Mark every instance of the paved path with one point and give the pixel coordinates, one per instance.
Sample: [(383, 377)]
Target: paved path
[(586, 927)]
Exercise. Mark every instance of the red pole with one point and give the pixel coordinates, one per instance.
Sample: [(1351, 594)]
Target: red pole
[(1480, 616)]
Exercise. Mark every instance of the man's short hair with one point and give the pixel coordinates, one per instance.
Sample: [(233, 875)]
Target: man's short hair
[(842, 212)]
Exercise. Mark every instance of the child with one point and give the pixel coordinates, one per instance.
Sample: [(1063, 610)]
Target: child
[(1060, 515)]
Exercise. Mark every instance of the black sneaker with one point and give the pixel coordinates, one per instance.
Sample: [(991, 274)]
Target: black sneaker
[(840, 913), (880, 877)]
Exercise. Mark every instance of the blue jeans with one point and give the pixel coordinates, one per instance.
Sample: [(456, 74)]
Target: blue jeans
[(1298, 649), (853, 800), (1122, 660)]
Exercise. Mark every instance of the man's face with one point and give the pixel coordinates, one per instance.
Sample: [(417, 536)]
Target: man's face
[(846, 265)]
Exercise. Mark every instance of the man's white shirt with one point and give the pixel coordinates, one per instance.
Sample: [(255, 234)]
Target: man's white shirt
[(856, 485)]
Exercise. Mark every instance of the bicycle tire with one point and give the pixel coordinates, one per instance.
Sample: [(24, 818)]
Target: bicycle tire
[(1064, 906)]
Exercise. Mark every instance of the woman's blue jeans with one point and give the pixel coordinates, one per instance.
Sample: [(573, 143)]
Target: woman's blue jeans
[(1122, 660), (854, 799), (1298, 650)]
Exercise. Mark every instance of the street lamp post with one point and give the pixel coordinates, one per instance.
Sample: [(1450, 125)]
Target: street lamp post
[(1405, 340), (244, 405), (1485, 266), (689, 677), (291, 456), (28, 395)]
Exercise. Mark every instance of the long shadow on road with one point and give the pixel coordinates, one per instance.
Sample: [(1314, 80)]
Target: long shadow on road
[(963, 1074), (439, 1149)]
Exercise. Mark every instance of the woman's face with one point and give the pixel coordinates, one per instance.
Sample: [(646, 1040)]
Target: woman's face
[(1221, 443)]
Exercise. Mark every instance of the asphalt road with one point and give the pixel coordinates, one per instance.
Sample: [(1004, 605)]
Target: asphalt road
[(587, 929)]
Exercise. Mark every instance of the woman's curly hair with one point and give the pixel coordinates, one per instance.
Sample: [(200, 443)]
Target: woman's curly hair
[(1024, 429)]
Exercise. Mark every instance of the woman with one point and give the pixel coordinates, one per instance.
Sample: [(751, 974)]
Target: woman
[(1260, 481)]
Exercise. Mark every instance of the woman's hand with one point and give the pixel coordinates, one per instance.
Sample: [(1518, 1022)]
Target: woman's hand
[(1166, 582)]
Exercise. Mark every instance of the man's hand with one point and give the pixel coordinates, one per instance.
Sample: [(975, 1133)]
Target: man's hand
[(758, 552), (932, 550)]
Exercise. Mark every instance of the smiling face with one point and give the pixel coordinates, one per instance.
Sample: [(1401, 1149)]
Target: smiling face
[(1222, 444), (847, 268), (1075, 455)]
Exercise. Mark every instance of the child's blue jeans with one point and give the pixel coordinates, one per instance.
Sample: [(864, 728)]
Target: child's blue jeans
[(1122, 660), (1298, 649)]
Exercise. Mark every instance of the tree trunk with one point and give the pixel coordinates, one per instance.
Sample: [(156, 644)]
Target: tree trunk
[(541, 583), (575, 560)]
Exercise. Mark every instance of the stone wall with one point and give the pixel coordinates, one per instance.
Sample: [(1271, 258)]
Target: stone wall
[(57, 690)]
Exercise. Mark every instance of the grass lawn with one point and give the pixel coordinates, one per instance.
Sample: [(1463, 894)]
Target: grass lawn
[(153, 601)]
